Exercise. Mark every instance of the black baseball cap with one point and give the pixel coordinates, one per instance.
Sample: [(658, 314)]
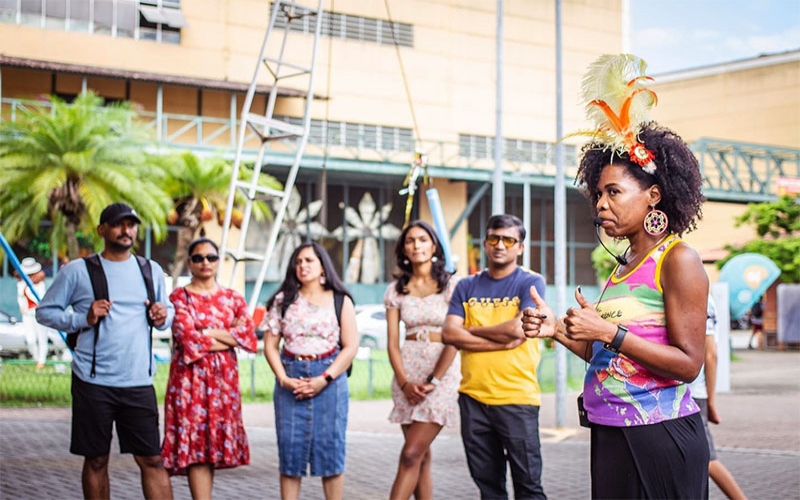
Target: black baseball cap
[(118, 211)]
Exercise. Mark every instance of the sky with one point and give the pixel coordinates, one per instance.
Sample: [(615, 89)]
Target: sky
[(680, 34)]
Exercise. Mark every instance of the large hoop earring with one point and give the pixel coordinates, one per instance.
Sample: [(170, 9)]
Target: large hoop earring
[(655, 222)]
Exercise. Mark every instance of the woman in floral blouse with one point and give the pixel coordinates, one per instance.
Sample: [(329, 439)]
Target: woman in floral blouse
[(311, 392), (203, 429), (426, 372)]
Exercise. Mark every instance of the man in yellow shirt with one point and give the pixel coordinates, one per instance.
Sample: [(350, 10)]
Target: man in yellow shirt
[(499, 394)]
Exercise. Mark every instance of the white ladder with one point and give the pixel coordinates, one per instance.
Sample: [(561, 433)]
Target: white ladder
[(268, 128)]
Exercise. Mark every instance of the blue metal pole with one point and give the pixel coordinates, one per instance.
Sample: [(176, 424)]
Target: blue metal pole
[(15, 262)]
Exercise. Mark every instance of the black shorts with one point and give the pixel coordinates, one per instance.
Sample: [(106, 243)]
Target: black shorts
[(96, 407)]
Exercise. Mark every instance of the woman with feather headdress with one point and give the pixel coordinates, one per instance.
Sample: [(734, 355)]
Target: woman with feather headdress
[(644, 336)]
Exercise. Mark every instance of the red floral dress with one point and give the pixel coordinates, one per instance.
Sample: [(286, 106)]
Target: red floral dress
[(203, 406)]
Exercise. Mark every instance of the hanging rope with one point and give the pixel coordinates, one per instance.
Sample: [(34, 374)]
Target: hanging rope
[(420, 163), (403, 73)]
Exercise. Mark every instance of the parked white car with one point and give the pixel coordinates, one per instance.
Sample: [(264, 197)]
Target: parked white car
[(371, 323), (12, 336)]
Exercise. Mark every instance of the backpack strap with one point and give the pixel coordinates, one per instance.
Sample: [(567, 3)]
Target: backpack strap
[(147, 275), (100, 288), (338, 301), (97, 277)]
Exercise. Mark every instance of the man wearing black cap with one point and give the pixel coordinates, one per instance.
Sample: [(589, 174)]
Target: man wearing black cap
[(112, 367)]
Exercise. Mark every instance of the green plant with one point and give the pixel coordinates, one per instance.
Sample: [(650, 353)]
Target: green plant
[(199, 190), (67, 161), (778, 224)]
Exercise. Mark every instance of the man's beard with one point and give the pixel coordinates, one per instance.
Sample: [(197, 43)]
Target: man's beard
[(119, 246)]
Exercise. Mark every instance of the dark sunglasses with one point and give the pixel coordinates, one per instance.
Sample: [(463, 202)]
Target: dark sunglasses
[(198, 258), (508, 241)]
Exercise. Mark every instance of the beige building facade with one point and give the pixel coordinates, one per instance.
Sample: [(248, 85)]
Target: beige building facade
[(753, 107), (187, 64), (191, 60)]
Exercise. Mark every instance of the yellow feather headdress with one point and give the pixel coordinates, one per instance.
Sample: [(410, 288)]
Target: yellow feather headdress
[(618, 101)]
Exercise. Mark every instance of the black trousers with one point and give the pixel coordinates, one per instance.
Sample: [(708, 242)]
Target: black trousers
[(664, 460), (494, 435)]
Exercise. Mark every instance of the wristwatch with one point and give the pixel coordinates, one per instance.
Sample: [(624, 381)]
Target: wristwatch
[(615, 344), (433, 380), (327, 377)]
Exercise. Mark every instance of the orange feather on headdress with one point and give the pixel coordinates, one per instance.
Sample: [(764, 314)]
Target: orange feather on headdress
[(618, 102)]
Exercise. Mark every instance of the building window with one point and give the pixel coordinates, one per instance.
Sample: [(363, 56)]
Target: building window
[(156, 20), (161, 21), (479, 147), (475, 146), (357, 135), (349, 27)]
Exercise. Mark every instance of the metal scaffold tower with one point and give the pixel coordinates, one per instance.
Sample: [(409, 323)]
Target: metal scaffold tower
[(272, 58)]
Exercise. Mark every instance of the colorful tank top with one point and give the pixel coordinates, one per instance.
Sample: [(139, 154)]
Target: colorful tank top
[(617, 391)]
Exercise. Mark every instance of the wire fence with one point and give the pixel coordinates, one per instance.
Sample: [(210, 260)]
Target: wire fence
[(23, 384)]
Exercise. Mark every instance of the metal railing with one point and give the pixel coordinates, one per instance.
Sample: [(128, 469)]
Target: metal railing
[(732, 170), (22, 384)]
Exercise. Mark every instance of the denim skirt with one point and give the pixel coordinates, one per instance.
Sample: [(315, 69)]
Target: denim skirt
[(311, 431)]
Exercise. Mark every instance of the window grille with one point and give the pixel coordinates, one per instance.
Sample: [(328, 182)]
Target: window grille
[(516, 150), (350, 27), (357, 135), (157, 20)]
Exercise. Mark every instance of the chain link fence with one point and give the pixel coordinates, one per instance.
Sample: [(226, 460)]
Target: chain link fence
[(22, 384)]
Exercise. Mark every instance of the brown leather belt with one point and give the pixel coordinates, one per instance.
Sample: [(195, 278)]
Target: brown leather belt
[(431, 336), (309, 357)]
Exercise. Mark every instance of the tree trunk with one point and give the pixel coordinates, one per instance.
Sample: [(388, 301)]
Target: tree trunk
[(73, 249), (185, 236)]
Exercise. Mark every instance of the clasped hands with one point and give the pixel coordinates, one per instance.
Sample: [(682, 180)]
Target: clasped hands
[(580, 323), (304, 388), (415, 393)]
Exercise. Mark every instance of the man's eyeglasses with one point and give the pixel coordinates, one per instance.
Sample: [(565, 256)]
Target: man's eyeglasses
[(508, 241), (198, 258)]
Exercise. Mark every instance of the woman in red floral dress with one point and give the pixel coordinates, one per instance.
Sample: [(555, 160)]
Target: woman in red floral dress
[(203, 429)]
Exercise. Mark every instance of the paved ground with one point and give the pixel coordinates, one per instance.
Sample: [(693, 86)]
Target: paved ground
[(758, 440)]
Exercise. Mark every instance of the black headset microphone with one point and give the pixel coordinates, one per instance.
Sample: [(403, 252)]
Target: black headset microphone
[(619, 258)]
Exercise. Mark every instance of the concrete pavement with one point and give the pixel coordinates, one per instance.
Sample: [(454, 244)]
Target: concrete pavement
[(758, 440)]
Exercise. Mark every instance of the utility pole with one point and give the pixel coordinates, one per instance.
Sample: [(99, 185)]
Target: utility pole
[(498, 188), (560, 227)]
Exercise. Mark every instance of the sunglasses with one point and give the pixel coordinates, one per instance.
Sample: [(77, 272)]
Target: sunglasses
[(508, 241), (198, 258)]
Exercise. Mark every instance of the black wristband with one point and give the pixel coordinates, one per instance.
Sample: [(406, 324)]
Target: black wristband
[(615, 344), (328, 377)]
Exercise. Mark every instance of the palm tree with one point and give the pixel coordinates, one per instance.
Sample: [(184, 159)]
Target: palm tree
[(67, 162), (199, 190)]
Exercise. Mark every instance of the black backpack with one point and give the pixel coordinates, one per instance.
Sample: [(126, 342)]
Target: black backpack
[(100, 288), (338, 302)]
